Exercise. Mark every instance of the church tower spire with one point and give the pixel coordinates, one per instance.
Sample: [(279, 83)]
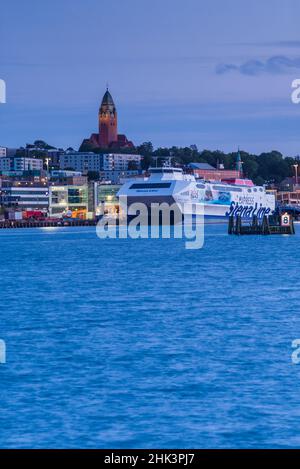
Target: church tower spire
[(108, 122), (107, 135)]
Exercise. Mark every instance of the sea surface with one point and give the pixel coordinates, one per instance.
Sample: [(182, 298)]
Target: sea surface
[(123, 343)]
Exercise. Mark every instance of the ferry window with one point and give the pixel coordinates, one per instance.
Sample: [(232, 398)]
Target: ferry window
[(24, 192), (255, 190), (261, 189), (220, 188), (249, 190), (163, 170), (227, 188), (200, 186), (172, 171), (154, 185)]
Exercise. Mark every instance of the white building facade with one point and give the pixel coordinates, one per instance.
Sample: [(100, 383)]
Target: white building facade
[(111, 166), (81, 161), (19, 163), (25, 196), (121, 162)]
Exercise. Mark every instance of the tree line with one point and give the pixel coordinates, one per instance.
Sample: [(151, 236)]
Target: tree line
[(266, 168)]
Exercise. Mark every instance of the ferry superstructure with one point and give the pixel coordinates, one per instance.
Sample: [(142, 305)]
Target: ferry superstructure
[(217, 199)]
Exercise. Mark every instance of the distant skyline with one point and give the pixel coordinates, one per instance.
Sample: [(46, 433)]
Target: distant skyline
[(212, 73)]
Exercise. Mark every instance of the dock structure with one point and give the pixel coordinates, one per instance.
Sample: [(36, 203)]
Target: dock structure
[(291, 209), (45, 223), (275, 224)]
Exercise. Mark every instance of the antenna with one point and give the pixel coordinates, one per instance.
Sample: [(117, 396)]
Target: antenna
[(155, 158), (166, 161)]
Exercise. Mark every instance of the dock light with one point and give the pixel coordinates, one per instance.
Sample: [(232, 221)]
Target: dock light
[(47, 160)]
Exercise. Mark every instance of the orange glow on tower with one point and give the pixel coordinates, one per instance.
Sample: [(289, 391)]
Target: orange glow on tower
[(107, 136), (108, 122)]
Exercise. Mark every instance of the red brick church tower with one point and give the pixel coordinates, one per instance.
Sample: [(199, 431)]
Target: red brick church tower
[(108, 121), (108, 136)]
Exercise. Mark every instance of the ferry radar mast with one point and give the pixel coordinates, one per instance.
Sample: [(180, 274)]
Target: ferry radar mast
[(166, 161)]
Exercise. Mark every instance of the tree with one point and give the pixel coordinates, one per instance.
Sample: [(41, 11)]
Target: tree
[(86, 147), (259, 181), (145, 149), (132, 166), (40, 143), (161, 152), (272, 167), (146, 162), (43, 145), (250, 167)]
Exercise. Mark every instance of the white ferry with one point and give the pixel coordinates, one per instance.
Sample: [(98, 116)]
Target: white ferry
[(217, 199)]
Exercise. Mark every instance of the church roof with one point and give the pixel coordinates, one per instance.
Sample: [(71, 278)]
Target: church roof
[(107, 99)]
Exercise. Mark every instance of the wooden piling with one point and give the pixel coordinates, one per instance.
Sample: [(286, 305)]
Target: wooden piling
[(267, 226)]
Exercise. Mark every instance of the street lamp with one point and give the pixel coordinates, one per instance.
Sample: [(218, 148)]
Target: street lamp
[(47, 160), (296, 172)]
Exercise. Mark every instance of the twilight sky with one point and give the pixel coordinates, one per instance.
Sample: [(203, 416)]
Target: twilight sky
[(216, 73)]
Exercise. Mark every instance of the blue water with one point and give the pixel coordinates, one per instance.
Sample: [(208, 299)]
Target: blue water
[(142, 343)]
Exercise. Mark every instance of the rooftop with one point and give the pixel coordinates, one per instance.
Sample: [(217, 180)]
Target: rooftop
[(107, 99), (201, 166)]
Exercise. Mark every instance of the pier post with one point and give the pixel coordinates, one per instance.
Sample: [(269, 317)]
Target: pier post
[(230, 225), (238, 224)]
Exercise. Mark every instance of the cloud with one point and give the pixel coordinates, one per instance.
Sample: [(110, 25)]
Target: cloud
[(224, 68), (274, 65), (287, 43)]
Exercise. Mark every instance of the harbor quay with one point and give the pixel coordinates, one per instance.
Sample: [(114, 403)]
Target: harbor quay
[(33, 195), (41, 184)]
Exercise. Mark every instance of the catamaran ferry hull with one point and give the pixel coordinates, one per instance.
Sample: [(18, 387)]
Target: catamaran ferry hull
[(170, 187)]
